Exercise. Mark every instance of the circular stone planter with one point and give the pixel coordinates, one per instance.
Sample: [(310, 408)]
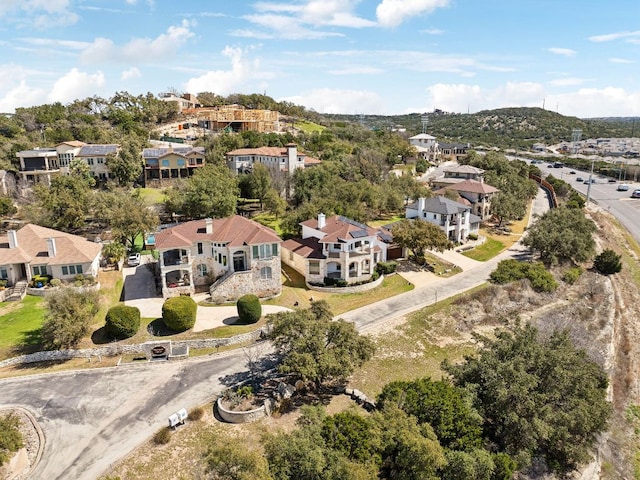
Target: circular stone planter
[(232, 416)]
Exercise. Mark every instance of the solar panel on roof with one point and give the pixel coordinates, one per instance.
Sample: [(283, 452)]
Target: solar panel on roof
[(97, 150), (359, 234), (352, 222)]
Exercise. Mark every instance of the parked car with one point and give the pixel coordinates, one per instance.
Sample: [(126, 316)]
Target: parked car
[(579, 179), (636, 193), (572, 172), (134, 259), (623, 187), (612, 180)]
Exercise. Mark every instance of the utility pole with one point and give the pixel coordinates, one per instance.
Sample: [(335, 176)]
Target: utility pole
[(590, 181)]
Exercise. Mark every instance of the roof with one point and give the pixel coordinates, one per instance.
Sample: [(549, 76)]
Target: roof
[(308, 161), (234, 231), (264, 151), (339, 228), (32, 247), (37, 152), (305, 247), (471, 186), (159, 152), (72, 143), (97, 150), (440, 205), (474, 219), (422, 136), (465, 169)]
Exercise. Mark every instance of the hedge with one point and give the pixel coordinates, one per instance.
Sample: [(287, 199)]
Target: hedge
[(385, 268), (249, 309), (122, 321), (179, 313)]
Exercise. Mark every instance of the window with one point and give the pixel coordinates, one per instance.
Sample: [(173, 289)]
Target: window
[(291, 255), (65, 270), (71, 269), (100, 160), (3, 273), (181, 162), (265, 273), (40, 270), (314, 267), (266, 250), (165, 163), (202, 270), (200, 248), (89, 161)]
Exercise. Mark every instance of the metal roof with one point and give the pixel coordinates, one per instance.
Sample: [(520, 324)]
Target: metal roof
[(97, 150)]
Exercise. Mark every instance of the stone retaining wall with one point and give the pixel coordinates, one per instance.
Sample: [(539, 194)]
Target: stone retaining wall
[(355, 289), (41, 292), (232, 416)]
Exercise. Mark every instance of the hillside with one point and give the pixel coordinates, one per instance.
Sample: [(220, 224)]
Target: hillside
[(504, 127)]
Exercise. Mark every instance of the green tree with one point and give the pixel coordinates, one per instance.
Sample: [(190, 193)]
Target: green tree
[(249, 309), (507, 207), (315, 348), (275, 203), (114, 252), (126, 164), (562, 234), (259, 182), (211, 192), (69, 316), (80, 169), (11, 439), (7, 208), (608, 262), (64, 205), (129, 217), (538, 396), (419, 236)]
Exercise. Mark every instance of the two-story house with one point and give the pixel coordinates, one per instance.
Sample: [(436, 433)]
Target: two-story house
[(233, 256), (453, 218), (338, 248), (163, 164), (284, 159), (479, 194), (426, 146), (35, 250)]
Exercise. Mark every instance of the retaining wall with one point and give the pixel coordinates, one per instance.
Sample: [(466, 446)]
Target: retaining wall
[(354, 289)]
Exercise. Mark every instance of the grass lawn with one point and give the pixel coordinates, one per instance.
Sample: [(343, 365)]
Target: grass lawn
[(486, 251), (20, 324), (308, 127), (152, 195), (385, 221), (269, 220)]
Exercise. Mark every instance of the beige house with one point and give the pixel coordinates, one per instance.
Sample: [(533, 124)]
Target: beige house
[(285, 159), (231, 256), (337, 248), (479, 195), (35, 250), (164, 164), (453, 218)]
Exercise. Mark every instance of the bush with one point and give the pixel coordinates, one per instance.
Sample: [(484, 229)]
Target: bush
[(249, 309), (179, 313), (385, 268), (472, 236), (3, 283), (512, 270), (162, 436), (571, 276), (608, 262), (55, 282), (122, 321), (196, 414), (70, 314), (10, 437)]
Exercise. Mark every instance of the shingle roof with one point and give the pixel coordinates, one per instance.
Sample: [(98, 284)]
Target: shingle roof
[(471, 186), (32, 247), (264, 151), (339, 228), (305, 247), (441, 205), (234, 231), (465, 169)]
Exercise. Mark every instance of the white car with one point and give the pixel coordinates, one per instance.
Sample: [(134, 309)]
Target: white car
[(623, 187), (134, 259)]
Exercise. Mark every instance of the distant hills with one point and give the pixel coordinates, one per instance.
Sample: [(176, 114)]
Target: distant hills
[(504, 127)]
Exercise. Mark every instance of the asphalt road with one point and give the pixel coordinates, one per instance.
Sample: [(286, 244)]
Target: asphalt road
[(93, 418)]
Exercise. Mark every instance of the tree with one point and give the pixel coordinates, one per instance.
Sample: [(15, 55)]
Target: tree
[(7, 208), (275, 203), (538, 396), (179, 313), (11, 439), (314, 348), (64, 205), (69, 316), (562, 234), (608, 262), (259, 182), (507, 207), (419, 236), (129, 217), (126, 164), (249, 309), (114, 252), (211, 192), (78, 168)]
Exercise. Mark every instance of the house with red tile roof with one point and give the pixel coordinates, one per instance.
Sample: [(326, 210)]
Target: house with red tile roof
[(338, 248), (231, 256), (35, 250), (286, 159), (478, 193)]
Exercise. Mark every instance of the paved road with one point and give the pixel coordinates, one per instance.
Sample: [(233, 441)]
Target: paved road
[(92, 418)]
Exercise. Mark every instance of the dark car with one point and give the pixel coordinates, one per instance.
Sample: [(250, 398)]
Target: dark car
[(579, 179)]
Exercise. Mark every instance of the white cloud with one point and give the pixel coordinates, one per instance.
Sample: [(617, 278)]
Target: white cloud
[(132, 72), (432, 31), (75, 85), (280, 26), (139, 49), (391, 13), (631, 36), (566, 82), (620, 60), (567, 52), (224, 82), (39, 14), (356, 70), (326, 100)]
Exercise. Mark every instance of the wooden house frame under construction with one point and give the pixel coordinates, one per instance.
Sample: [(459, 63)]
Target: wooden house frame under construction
[(236, 118)]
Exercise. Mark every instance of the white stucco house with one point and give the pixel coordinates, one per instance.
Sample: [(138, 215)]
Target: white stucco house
[(453, 218)]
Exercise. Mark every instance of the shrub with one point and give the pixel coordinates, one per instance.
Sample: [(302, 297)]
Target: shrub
[(179, 313), (571, 276), (4, 283), (196, 414), (608, 262), (472, 236), (122, 321), (70, 314), (10, 436), (511, 270), (55, 282), (249, 309), (162, 436), (385, 268)]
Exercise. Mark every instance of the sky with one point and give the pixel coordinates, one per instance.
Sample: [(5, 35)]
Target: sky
[(385, 57)]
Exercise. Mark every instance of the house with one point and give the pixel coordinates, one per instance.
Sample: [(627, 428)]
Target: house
[(164, 164), (453, 151), (41, 164), (236, 118), (286, 159), (426, 146), (35, 250), (184, 102), (338, 248), (478, 193), (454, 219), (232, 256), (464, 172)]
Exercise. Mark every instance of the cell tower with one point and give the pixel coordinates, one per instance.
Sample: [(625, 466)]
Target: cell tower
[(576, 135), (425, 121)]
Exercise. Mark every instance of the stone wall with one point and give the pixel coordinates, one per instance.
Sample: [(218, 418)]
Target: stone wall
[(353, 289), (249, 282), (3, 295), (232, 416), (42, 292)]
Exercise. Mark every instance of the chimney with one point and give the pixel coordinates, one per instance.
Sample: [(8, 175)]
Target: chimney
[(209, 225), (422, 203), (51, 246), (13, 238), (292, 157), (321, 221)]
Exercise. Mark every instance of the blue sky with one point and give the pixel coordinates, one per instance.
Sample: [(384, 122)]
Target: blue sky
[(334, 56)]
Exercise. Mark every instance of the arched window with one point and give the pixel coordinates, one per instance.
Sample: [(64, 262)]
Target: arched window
[(265, 273)]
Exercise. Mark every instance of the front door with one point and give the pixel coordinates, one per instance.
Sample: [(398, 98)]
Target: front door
[(239, 263)]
